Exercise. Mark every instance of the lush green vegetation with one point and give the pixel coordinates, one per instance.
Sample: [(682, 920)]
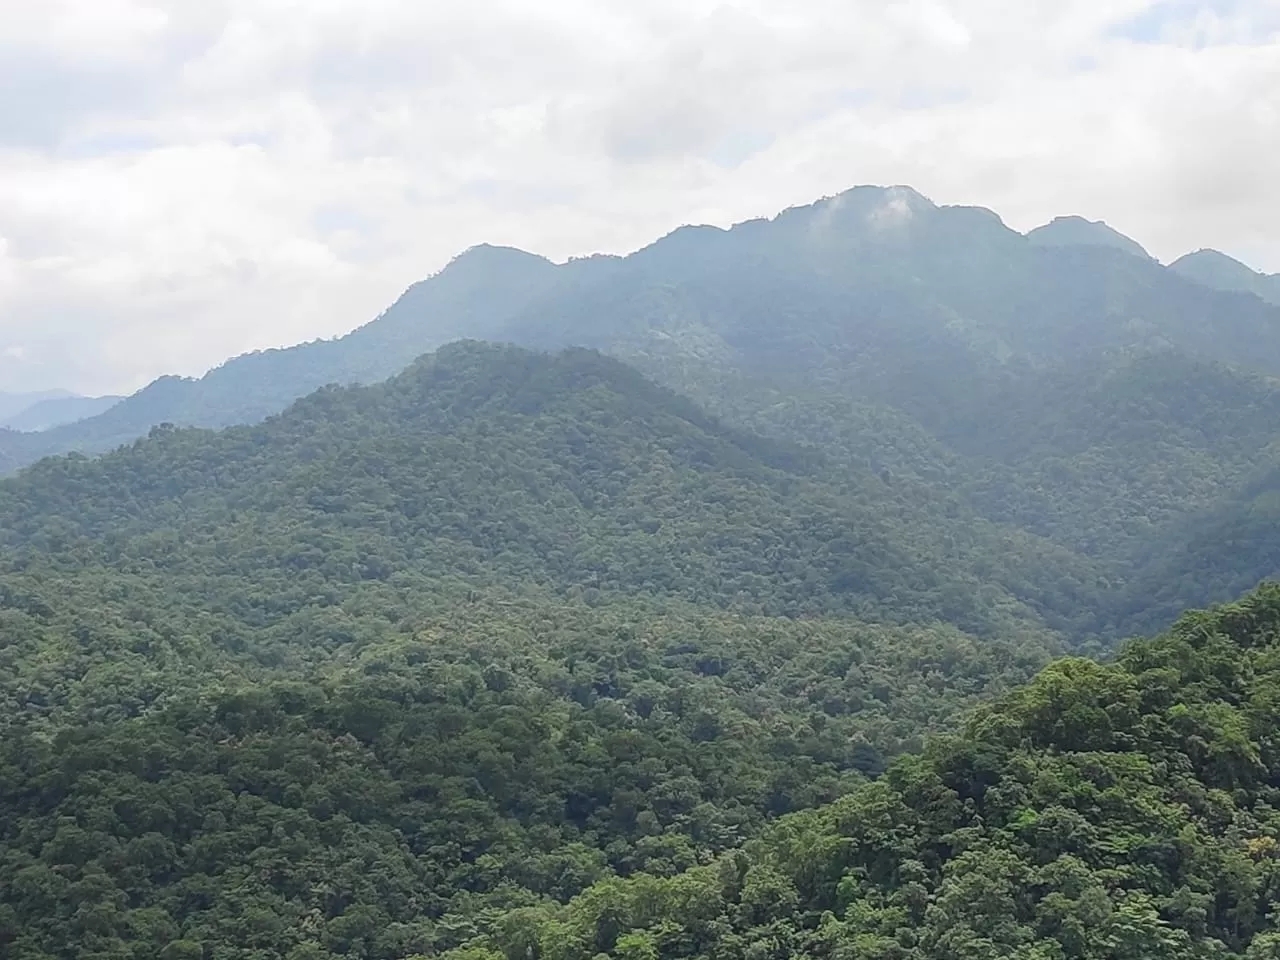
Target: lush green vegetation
[(488, 468), (1062, 384), (523, 655), (1123, 811), (396, 793), (360, 676)]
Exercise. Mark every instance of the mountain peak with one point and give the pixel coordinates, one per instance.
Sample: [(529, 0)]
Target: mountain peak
[(489, 257), (1078, 232), (880, 205), (1212, 268), (1207, 262)]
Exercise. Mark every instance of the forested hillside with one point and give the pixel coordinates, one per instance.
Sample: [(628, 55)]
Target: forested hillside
[(1061, 385), (351, 681), (523, 655), (399, 789), (1123, 811), (493, 468)]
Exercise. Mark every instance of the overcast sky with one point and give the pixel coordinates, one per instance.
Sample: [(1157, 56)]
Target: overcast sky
[(182, 181)]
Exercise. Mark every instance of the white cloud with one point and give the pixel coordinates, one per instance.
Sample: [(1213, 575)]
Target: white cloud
[(184, 181)]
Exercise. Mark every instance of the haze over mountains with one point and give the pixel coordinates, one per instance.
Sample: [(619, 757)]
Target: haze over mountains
[(1060, 385), (33, 412), (1217, 270), (730, 605), (499, 293)]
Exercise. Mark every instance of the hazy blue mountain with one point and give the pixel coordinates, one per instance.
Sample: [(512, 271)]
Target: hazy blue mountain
[(1217, 270), (55, 411), (877, 284), (12, 404), (1077, 392), (472, 297), (1079, 232)]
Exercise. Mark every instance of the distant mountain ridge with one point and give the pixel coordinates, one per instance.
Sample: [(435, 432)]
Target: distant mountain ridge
[(12, 404), (1079, 232), (1217, 270), (979, 280), (58, 410), (1074, 392)]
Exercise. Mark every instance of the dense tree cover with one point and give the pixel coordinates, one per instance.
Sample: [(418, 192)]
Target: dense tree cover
[(1061, 383), (495, 468), (524, 655), (1105, 458), (1221, 550), (379, 797), (1122, 811)]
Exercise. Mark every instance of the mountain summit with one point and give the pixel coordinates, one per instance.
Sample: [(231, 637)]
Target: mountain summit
[(1079, 232), (875, 283), (1217, 270)]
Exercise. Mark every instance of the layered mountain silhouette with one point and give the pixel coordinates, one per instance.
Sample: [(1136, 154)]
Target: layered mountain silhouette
[(1062, 385), (53, 411), (880, 273), (609, 641), (14, 403)]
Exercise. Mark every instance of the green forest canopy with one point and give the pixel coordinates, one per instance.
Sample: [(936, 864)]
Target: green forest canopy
[(1075, 391), (1122, 811), (521, 655)]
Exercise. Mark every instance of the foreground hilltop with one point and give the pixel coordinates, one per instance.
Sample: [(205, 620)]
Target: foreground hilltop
[(1101, 811), (550, 781)]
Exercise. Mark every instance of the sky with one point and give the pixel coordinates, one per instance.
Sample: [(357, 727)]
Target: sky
[(186, 180)]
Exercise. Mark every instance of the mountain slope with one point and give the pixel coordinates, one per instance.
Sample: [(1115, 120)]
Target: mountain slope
[(481, 659), (1079, 232), (1217, 270), (12, 404), (352, 680), (498, 755), (930, 313), (1228, 546), (55, 411), (485, 467), (470, 298), (1102, 457), (959, 369), (1122, 811), (875, 286)]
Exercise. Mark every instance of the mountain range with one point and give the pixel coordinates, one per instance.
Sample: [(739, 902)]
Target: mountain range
[(34, 412), (958, 270), (764, 594), (1217, 270), (1061, 385)]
